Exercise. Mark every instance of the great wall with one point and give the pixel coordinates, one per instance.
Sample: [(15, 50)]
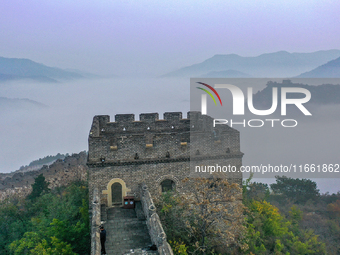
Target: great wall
[(138, 159)]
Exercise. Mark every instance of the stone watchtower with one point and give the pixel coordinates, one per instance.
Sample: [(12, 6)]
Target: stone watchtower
[(156, 152)]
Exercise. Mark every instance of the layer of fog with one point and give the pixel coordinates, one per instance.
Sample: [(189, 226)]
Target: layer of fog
[(31, 133)]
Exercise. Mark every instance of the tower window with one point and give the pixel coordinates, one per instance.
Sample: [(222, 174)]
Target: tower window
[(168, 185)]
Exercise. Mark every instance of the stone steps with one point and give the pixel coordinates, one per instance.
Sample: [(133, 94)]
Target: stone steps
[(125, 233)]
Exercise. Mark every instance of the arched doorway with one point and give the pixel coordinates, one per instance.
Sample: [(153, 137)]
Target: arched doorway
[(116, 190), (116, 193)]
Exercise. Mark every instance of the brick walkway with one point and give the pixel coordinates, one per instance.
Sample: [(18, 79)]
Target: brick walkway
[(125, 233)]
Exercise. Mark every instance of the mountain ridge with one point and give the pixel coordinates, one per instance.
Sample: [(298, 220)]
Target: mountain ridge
[(20, 103), (329, 70), (23, 68), (323, 94), (226, 74), (276, 64)]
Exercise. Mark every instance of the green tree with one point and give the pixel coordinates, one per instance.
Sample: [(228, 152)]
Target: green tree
[(65, 216), (271, 233), (296, 190), (32, 243), (53, 223), (39, 187), (256, 191), (13, 223)]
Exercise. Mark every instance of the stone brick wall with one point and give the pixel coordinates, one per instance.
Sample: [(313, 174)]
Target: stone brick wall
[(151, 138), (95, 223), (154, 224), (151, 150)]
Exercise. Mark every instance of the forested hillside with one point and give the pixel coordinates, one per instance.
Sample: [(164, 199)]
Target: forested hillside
[(290, 217), (47, 221), (287, 217)]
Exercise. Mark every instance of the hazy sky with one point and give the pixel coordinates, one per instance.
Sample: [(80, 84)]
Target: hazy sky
[(153, 37), (135, 38)]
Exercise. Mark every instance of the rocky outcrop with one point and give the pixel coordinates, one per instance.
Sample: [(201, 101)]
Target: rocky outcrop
[(60, 173)]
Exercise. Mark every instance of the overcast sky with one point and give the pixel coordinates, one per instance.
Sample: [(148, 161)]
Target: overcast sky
[(153, 37), (136, 38)]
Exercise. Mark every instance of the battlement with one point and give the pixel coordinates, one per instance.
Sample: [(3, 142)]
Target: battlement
[(150, 122), (149, 117), (126, 123), (151, 138)]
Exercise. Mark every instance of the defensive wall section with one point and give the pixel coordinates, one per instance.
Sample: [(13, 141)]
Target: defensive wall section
[(152, 150), (156, 154)]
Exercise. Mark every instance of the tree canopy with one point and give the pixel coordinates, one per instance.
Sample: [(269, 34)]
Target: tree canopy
[(296, 190), (55, 222), (39, 187)]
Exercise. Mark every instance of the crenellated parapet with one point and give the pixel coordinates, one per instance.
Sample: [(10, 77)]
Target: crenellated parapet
[(148, 122), (127, 140)]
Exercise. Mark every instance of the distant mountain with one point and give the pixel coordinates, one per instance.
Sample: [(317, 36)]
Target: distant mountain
[(277, 64), (19, 103), (15, 68), (329, 70), (320, 95), (226, 74)]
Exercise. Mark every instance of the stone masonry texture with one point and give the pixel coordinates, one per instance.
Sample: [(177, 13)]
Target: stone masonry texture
[(149, 151)]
